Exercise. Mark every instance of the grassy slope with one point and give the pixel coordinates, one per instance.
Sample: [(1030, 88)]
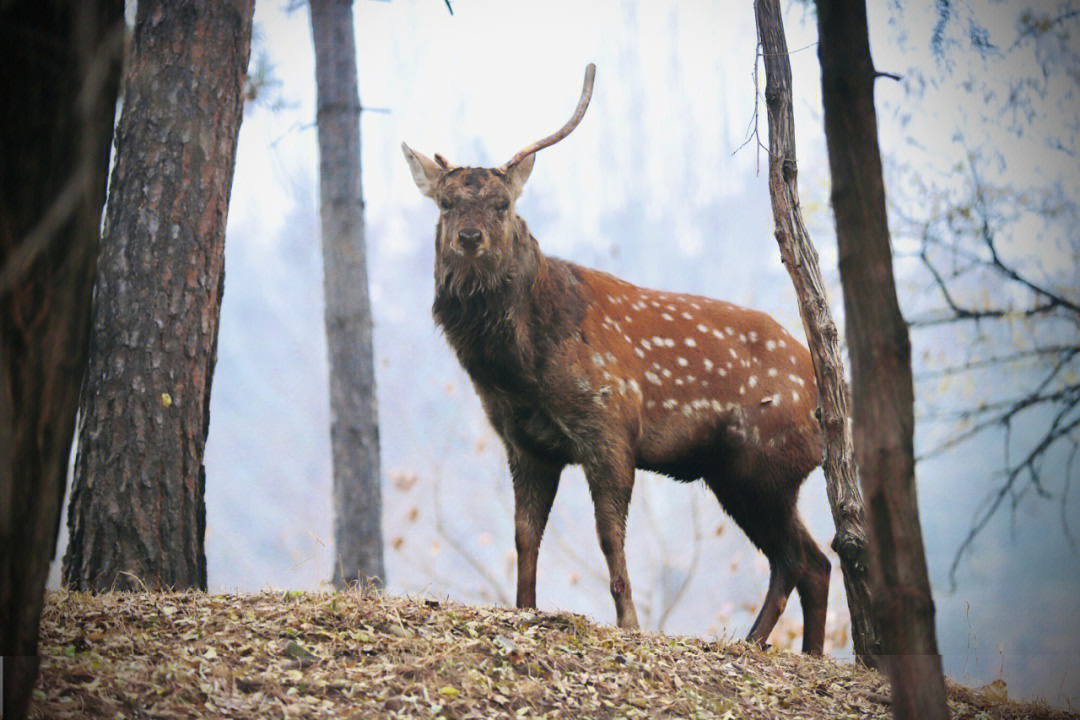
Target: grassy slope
[(369, 655)]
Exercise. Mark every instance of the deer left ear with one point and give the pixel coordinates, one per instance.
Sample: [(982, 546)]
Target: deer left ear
[(519, 172), (425, 171)]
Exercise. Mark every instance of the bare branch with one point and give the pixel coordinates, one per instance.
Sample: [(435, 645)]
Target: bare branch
[(1065, 494), (1070, 395), (988, 237), (927, 321), (996, 361), (1028, 465)]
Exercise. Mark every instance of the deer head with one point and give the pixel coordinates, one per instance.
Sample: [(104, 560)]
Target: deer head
[(480, 242)]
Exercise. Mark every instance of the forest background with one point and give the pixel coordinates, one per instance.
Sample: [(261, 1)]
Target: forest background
[(662, 189)]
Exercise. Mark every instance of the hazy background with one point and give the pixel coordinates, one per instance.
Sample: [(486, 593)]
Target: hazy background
[(652, 186)]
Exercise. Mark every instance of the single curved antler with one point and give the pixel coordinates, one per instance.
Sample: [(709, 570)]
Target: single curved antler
[(583, 103)]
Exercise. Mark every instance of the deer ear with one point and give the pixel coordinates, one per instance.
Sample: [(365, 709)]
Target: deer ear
[(425, 172), (519, 172)]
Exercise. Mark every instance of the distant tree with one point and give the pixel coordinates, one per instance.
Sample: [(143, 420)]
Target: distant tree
[(354, 426), (999, 291), (881, 383), (137, 516), (60, 71)]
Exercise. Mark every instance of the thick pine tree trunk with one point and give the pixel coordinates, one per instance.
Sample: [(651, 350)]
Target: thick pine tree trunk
[(801, 260), (137, 515), (59, 70), (354, 426), (881, 385)]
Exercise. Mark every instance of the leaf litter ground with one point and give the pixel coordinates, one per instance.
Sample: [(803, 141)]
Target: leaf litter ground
[(362, 654)]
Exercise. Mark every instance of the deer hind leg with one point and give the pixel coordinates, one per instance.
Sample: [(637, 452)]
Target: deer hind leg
[(813, 587), (610, 485), (535, 484), (772, 524)]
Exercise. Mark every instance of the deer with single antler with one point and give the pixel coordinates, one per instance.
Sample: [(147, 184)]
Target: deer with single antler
[(575, 366)]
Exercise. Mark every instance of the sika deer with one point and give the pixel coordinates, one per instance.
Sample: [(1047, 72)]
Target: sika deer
[(575, 366)]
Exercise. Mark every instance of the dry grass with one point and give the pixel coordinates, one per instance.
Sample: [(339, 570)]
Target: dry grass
[(363, 654)]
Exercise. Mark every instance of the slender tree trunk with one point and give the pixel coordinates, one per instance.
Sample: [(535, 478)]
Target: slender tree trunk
[(880, 366), (59, 70), (137, 515), (354, 426), (801, 260)]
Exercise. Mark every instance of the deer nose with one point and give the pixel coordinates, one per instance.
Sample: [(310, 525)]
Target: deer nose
[(469, 239)]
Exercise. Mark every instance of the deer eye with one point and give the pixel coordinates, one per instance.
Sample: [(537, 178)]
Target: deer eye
[(502, 206), (446, 203)]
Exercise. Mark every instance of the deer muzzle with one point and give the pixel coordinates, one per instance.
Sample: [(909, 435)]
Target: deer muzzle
[(469, 240)]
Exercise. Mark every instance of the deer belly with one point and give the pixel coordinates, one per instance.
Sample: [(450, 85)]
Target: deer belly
[(709, 437), (693, 440)]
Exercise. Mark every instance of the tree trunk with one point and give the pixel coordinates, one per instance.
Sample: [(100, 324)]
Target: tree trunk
[(354, 426), (138, 517), (880, 366), (60, 70), (801, 260)]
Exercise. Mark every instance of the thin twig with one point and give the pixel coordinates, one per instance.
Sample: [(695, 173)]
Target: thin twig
[(690, 571), (460, 549), (71, 194)]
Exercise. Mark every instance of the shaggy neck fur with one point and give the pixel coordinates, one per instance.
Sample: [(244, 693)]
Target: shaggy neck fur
[(503, 318)]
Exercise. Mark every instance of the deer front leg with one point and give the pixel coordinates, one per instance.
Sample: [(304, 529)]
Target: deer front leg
[(610, 485), (535, 484)]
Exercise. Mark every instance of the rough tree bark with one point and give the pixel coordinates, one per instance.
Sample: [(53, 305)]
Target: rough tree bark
[(801, 259), (881, 385), (354, 425), (60, 71), (137, 516)]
